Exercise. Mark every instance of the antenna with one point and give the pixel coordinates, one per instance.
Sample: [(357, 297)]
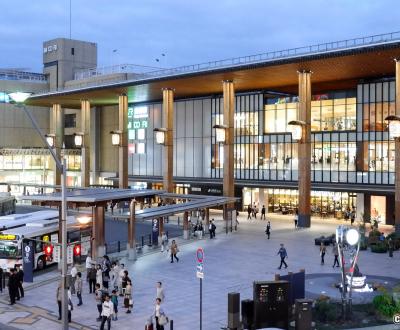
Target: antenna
[(70, 19)]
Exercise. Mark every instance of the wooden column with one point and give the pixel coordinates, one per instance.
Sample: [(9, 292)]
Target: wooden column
[(85, 151), (58, 131), (304, 150), (98, 232), (186, 225), (168, 162), (207, 216), (123, 148), (229, 112), (160, 226), (397, 155), (132, 231)]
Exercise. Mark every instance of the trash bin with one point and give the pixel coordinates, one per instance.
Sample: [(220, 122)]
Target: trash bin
[(303, 314), (247, 313)]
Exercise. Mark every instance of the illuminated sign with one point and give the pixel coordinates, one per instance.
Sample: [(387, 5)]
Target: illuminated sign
[(7, 237), (140, 112), (49, 49), (140, 123)]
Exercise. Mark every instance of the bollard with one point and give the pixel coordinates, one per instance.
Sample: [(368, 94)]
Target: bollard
[(171, 325), (178, 221), (119, 246), (142, 241), (149, 239)]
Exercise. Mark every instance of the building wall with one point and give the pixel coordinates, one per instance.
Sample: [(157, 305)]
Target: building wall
[(108, 152)]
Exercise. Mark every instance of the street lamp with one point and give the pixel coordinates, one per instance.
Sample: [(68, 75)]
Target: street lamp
[(394, 126), (160, 134), (78, 140), (297, 129), (84, 220), (220, 133), (116, 138), (19, 98)]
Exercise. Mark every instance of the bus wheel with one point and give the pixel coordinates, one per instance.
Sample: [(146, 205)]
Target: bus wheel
[(41, 264)]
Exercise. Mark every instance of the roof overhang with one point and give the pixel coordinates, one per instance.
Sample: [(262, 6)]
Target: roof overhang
[(341, 69)]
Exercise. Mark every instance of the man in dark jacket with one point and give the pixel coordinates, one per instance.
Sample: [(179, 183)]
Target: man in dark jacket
[(92, 279), (20, 280), (12, 286)]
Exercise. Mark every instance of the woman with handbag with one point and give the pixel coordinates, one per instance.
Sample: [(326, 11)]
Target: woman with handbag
[(159, 315), (174, 251), (128, 301)]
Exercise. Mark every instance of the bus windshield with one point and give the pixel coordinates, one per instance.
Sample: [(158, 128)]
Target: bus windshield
[(8, 249)]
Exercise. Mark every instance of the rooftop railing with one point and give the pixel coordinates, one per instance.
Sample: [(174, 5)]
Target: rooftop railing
[(22, 75)]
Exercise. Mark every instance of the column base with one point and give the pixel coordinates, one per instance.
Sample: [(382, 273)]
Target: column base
[(304, 221), (132, 255), (186, 234)]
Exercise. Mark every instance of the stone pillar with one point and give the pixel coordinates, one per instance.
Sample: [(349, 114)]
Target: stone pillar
[(85, 151), (186, 225), (94, 146), (123, 148), (359, 206), (58, 131), (132, 231), (168, 163), (229, 112), (99, 248), (160, 229), (207, 216), (304, 150), (397, 155)]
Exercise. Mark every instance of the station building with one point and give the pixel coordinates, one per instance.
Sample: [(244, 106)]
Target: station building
[(353, 90)]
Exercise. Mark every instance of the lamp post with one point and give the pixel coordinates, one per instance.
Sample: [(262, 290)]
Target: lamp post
[(19, 98), (394, 133)]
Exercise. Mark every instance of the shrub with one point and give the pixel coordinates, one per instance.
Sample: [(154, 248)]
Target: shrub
[(385, 305), (325, 311), (374, 233), (380, 247)]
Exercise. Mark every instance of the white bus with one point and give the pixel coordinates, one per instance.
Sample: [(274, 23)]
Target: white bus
[(17, 220), (40, 231)]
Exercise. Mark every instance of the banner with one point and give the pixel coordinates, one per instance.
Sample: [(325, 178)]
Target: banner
[(27, 260)]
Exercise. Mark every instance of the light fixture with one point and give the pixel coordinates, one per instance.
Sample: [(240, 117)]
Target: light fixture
[(84, 220), (116, 138), (160, 135), (50, 138), (352, 236), (220, 133), (394, 126), (78, 140), (19, 97), (297, 129)]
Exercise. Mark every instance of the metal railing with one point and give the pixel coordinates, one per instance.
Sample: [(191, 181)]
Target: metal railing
[(21, 75)]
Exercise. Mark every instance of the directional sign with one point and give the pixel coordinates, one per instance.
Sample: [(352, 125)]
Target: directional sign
[(70, 254), (57, 253), (200, 263), (200, 255), (200, 271)]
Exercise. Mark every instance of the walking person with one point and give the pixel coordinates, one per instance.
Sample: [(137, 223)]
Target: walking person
[(296, 218), (159, 315), (99, 276), (160, 291), (128, 301), (322, 252), (174, 251), (213, 228), (99, 300), (105, 268), (74, 271), (114, 299), (70, 306), (113, 275), (210, 229), (12, 285), (283, 254), (335, 252), (263, 212), (120, 279), (20, 281), (58, 298), (107, 311), (249, 211), (268, 229), (125, 280), (164, 241), (88, 264), (92, 274), (78, 288)]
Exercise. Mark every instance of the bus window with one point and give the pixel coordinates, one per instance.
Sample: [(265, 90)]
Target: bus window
[(74, 236), (38, 245), (8, 249)]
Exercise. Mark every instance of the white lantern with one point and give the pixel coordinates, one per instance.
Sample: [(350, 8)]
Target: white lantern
[(78, 140), (160, 135), (115, 138), (50, 138), (352, 236), (296, 128), (19, 97), (220, 133)]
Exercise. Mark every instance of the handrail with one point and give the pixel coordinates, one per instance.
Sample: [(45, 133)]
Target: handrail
[(22, 75)]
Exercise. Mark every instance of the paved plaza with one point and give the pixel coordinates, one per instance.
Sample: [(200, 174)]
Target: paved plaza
[(232, 263)]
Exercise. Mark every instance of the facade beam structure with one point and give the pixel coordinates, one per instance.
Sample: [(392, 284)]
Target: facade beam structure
[(132, 231), (85, 151), (168, 117), (58, 131), (304, 150), (123, 147), (397, 154), (98, 244)]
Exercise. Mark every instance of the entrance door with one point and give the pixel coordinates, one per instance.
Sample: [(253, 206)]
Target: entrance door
[(378, 209)]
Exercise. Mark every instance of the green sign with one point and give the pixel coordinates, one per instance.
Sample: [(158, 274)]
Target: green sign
[(140, 124)]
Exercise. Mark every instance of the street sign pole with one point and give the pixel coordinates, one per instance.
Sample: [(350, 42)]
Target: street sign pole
[(201, 303), (200, 276)]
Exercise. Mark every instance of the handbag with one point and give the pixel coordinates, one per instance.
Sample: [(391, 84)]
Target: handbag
[(162, 320)]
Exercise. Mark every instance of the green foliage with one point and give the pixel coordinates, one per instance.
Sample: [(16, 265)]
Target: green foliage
[(380, 247), (374, 233), (325, 311), (385, 305)]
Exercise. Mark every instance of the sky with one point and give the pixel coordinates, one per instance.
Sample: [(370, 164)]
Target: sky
[(186, 31)]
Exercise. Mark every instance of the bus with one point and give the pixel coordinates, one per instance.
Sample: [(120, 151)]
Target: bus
[(18, 220), (41, 232)]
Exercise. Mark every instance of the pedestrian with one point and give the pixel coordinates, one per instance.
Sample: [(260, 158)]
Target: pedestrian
[(296, 218), (120, 277), (268, 229), (88, 264), (105, 268), (20, 281), (159, 315), (263, 212), (78, 288), (213, 228), (249, 211), (58, 298), (92, 275), (164, 241), (99, 276), (255, 211), (160, 291), (335, 252), (322, 252), (114, 299), (113, 275), (12, 285), (128, 301), (74, 271), (125, 280), (283, 254), (174, 251), (107, 311), (210, 229), (99, 300), (70, 306), (117, 269), (391, 247)]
